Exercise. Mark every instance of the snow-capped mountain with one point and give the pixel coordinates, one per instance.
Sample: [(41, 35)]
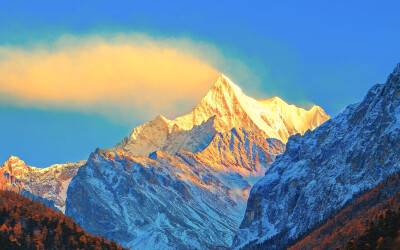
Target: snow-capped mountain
[(232, 109), (48, 185), (184, 183), (325, 170), (171, 201), (172, 183)]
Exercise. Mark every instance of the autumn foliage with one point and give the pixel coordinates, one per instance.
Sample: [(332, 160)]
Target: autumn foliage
[(381, 234), (27, 224), (351, 227)]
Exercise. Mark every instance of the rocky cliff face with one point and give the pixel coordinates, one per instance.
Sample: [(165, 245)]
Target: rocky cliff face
[(48, 185), (171, 201), (325, 169)]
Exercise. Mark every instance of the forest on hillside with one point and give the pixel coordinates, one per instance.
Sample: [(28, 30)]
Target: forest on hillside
[(28, 224)]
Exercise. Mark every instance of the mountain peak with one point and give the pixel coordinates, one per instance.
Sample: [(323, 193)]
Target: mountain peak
[(276, 100), (13, 161), (394, 79), (161, 118), (229, 108), (223, 79), (13, 158), (396, 70), (224, 84)]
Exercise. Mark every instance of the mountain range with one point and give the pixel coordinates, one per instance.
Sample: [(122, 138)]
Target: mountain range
[(274, 118), (179, 183), (238, 173), (189, 184)]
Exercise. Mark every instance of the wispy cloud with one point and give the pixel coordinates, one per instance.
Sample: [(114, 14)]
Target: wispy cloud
[(119, 77)]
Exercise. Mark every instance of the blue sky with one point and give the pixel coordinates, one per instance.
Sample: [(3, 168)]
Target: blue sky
[(322, 52)]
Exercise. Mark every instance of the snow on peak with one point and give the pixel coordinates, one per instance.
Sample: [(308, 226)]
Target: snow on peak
[(50, 184), (225, 84), (12, 158), (13, 162), (232, 109), (162, 119)]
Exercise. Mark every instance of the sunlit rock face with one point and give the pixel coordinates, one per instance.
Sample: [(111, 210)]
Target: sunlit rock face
[(231, 108), (48, 185), (325, 170), (10, 174), (172, 184), (171, 201), (184, 183), (161, 134)]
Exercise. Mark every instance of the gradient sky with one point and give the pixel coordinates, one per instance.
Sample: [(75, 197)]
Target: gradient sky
[(327, 53)]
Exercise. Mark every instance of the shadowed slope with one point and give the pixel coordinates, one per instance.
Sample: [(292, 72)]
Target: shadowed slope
[(325, 169)]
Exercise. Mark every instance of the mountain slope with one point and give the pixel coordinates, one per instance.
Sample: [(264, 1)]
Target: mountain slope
[(48, 185), (170, 201), (326, 169), (27, 224), (354, 220), (231, 108)]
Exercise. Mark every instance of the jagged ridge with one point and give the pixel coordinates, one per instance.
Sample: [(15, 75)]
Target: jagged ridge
[(325, 169), (48, 185), (230, 108)]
